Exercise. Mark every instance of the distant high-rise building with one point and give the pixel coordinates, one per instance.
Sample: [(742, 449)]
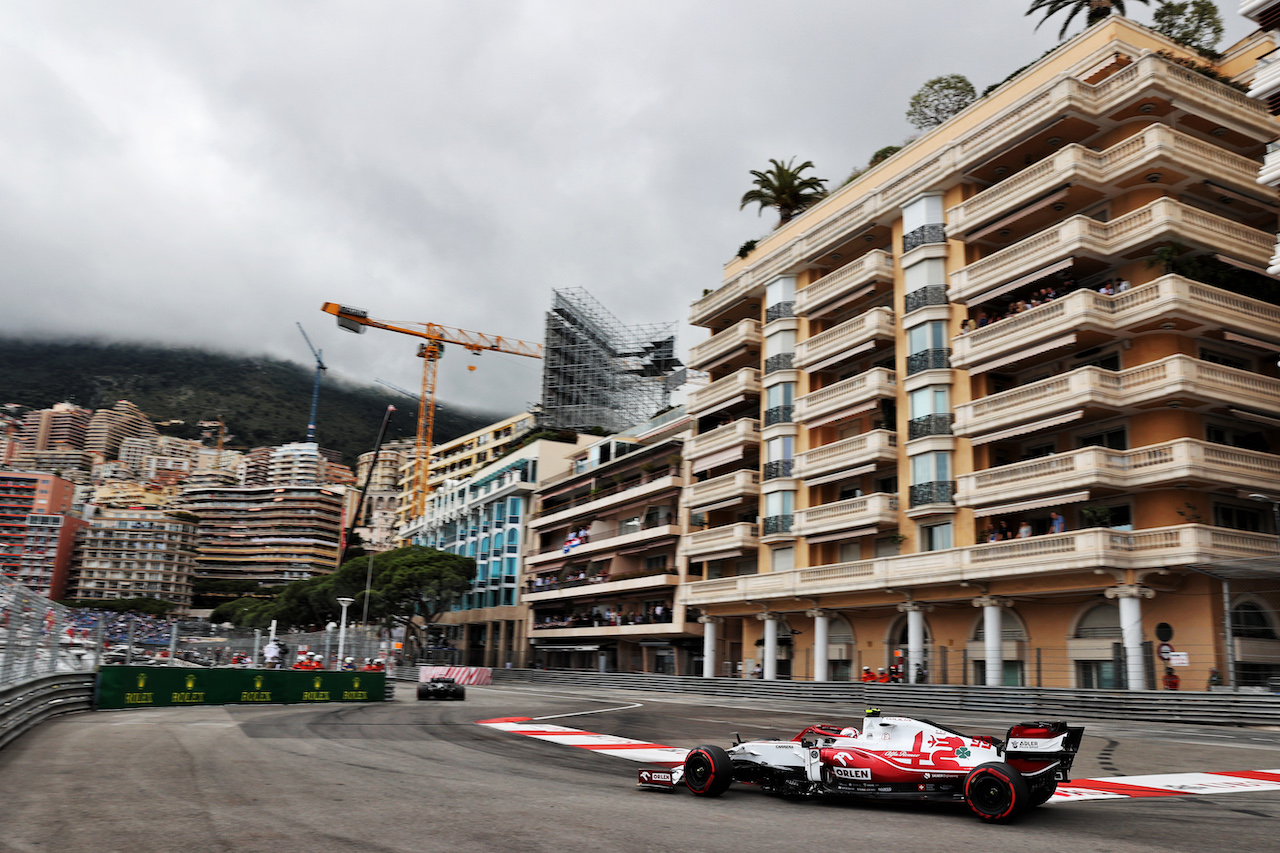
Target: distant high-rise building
[(135, 553), (109, 427), (37, 535), (269, 533), (63, 426)]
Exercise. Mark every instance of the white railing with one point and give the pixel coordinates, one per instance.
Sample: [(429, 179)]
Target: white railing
[(1075, 163), (1173, 377), (745, 431), (876, 265), (1169, 295), (744, 381), (865, 387), (1069, 552), (724, 487), (744, 333), (868, 510), (1178, 461), (1083, 234), (876, 324), (875, 446)]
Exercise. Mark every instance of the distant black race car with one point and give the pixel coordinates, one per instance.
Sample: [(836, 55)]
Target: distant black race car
[(442, 688)]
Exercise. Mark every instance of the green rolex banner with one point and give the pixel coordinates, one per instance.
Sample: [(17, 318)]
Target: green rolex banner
[(165, 687)]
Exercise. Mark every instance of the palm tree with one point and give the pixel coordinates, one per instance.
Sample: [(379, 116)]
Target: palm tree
[(784, 189), (1095, 10)]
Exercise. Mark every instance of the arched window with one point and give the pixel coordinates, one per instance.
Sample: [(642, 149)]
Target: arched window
[(1011, 627), (1249, 619), (1100, 623)]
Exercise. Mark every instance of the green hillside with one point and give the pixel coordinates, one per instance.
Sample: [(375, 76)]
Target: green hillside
[(262, 401)]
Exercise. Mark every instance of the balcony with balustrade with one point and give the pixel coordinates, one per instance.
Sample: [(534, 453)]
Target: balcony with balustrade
[(839, 289), (723, 393), (735, 438), (724, 491), (849, 339), (1191, 306), (1077, 552), (1174, 381), (858, 454), (1183, 462), (718, 542), (1076, 175), (1081, 236), (846, 398), (856, 516), (736, 343), (737, 299)]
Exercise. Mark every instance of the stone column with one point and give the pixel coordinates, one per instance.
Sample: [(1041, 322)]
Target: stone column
[(993, 629), (504, 640), (1129, 597), (489, 645), (915, 637), (820, 634), (770, 662), (709, 661)]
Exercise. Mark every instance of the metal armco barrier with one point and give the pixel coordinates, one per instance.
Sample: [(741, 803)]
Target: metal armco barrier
[(25, 705), (1160, 705), (156, 687)]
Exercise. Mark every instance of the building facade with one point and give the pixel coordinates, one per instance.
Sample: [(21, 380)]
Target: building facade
[(273, 534), (980, 412), (135, 553), (602, 560), (37, 530)]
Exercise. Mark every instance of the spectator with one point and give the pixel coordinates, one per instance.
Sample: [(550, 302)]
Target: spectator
[(1122, 286), (1024, 529), (1171, 679), (1057, 524)]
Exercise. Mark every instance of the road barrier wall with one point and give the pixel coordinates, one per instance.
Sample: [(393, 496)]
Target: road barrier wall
[(156, 687), (25, 705), (1169, 706)]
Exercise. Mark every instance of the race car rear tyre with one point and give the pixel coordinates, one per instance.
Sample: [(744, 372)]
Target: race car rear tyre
[(708, 771), (461, 694), (996, 792)]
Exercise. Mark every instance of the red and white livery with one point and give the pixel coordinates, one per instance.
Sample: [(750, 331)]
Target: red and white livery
[(893, 758)]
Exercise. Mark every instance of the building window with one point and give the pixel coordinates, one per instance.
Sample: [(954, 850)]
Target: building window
[(936, 537)]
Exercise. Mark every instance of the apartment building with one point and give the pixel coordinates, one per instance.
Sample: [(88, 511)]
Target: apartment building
[(982, 411), (37, 532), (109, 427), (461, 457), (274, 534), (485, 516), (602, 560), (135, 553), (382, 497), (62, 426)]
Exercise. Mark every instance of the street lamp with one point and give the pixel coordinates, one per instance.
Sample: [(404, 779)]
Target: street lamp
[(342, 628)]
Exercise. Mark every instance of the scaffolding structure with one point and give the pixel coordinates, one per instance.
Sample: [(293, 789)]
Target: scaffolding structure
[(598, 372)]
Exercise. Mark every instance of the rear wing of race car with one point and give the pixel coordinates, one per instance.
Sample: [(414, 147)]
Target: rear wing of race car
[(1044, 742)]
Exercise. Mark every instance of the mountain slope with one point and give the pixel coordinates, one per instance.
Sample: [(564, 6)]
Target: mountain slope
[(262, 401)]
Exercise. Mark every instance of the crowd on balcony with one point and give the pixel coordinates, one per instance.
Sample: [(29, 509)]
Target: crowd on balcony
[(1109, 287), (606, 617), (998, 531)]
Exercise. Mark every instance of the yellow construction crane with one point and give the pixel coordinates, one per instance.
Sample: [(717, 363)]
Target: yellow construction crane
[(357, 320)]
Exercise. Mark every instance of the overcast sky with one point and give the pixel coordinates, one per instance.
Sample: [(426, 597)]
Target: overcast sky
[(209, 173)]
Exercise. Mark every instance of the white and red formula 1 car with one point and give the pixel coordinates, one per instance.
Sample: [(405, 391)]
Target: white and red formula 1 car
[(891, 758)]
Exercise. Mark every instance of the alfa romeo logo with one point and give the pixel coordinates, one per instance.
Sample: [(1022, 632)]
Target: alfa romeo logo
[(962, 752)]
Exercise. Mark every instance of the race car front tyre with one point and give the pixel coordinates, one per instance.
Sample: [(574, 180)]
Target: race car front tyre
[(423, 692), (996, 792), (708, 771)]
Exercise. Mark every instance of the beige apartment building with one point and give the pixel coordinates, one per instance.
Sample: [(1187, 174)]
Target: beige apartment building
[(983, 411)]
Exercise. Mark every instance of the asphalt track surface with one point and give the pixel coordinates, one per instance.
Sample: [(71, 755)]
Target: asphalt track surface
[(420, 776)]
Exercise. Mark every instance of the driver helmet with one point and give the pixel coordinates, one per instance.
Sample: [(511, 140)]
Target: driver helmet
[(850, 731)]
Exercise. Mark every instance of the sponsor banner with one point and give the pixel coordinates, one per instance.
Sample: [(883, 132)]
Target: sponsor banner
[(168, 687), (656, 779), (477, 675)]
